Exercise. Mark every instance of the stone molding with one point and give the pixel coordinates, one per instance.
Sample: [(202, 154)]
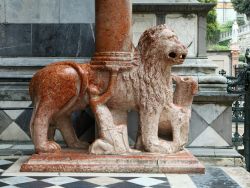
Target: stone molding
[(172, 7), (60, 11), (47, 11)]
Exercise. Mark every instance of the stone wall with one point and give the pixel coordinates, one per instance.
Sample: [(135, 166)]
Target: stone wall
[(47, 28), (57, 28), (47, 11), (222, 59)]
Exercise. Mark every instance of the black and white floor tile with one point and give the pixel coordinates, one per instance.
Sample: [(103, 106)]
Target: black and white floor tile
[(215, 177)]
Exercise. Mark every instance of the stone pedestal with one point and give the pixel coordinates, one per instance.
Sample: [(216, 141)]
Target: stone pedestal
[(211, 121), (78, 161)]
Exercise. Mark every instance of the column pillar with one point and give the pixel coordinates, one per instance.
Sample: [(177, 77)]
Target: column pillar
[(202, 32), (113, 32)]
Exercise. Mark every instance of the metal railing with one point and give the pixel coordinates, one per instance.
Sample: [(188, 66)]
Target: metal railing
[(241, 109), (236, 85)]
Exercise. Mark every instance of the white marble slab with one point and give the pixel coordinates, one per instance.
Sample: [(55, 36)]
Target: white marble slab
[(180, 180), (141, 22), (2, 11), (5, 146), (14, 131), (77, 11), (240, 175), (186, 28), (32, 11)]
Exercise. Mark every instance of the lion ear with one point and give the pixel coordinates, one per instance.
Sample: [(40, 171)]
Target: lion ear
[(151, 34), (175, 78)]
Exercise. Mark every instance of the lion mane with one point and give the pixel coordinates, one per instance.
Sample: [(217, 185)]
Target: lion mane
[(150, 79)]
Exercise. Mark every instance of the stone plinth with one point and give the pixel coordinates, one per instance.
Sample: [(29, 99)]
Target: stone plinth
[(78, 161)]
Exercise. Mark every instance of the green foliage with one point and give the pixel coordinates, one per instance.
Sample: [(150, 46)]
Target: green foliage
[(242, 58), (213, 31), (226, 26), (242, 6), (241, 21), (242, 64), (208, 1), (217, 47), (224, 43)]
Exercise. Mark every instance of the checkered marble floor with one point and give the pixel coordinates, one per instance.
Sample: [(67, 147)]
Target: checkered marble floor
[(215, 177)]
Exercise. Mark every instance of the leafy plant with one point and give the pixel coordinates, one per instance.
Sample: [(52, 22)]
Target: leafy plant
[(208, 1), (226, 26), (242, 6), (217, 47), (213, 32), (242, 58), (224, 43), (241, 21)]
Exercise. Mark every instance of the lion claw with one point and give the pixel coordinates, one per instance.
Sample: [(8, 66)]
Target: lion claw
[(48, 147)]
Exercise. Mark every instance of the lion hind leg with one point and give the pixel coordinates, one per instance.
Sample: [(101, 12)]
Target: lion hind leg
[(177, 122), (149, 134), (32, 123), (40, 127), (51, 132), (64, 124)]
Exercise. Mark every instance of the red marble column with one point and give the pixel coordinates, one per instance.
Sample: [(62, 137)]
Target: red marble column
[(113, 32)]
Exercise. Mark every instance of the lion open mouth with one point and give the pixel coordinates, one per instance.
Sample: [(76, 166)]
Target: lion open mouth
[(178, 58)]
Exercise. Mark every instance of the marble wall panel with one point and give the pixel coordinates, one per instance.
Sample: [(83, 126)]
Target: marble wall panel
[(77, 11), (47, 40), (141, 22), (186, 28), (2, 11), (15, 40), (63, 40), (32, 11), (211, 126)]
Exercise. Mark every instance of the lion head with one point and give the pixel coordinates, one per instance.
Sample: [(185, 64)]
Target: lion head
[(163, 42), (158, 49)]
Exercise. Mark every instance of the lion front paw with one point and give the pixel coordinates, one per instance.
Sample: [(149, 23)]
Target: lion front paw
[(162, 147), (170, 146), (48, 147)]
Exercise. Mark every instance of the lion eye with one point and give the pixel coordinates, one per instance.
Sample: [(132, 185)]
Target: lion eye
[(172, 55)]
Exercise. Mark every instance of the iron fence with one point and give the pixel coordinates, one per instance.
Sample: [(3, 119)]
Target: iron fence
[(236, 85)]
